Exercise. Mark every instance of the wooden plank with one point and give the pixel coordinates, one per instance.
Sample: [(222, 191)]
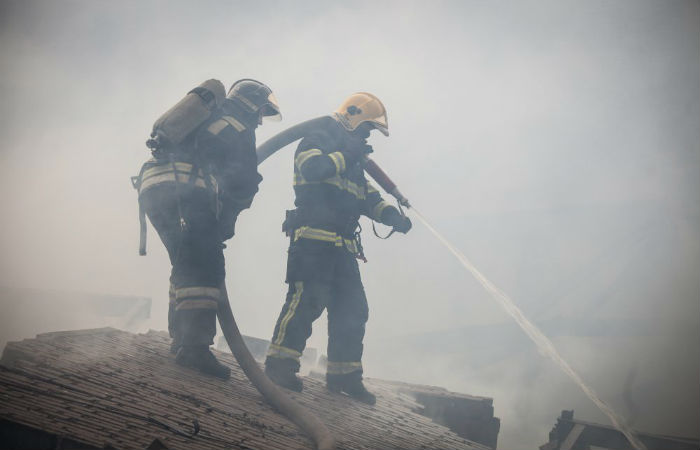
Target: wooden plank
[(572, 437)]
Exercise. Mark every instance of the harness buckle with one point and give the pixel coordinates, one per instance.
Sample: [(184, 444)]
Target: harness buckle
[(357, 237)]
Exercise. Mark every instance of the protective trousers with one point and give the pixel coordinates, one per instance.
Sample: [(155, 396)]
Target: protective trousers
[(196, 254), (322, 275)]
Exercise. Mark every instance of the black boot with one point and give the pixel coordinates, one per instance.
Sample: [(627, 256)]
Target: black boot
[(201, 358), (351, 384), (283, 373)]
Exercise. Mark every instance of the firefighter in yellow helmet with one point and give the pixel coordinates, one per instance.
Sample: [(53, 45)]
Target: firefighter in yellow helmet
[(322, 270)]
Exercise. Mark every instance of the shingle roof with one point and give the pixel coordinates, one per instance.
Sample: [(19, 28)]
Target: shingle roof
[(112, 387)]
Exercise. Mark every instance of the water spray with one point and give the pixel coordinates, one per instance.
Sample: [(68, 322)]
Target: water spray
[(544, 345), (541, 341)]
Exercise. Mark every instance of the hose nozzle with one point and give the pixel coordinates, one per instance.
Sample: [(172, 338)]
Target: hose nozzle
[(385, 182), (400, 198)]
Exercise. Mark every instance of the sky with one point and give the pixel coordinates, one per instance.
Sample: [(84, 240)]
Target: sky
[(556, 143)]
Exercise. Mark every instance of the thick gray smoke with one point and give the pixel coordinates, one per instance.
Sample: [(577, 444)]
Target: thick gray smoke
[(555, 143)]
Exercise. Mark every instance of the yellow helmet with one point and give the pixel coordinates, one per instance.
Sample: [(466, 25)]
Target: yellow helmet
[(359, 108)]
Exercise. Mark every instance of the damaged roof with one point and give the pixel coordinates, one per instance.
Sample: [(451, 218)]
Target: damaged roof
[(107, 388), (575, 434)]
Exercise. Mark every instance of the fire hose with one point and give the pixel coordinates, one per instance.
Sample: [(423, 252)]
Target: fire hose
[(301, 416)]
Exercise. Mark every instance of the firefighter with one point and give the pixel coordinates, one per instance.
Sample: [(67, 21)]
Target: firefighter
[(322, 270), (192, 193)]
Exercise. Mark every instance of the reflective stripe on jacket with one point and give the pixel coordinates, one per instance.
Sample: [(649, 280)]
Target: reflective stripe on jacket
[(164, 173), (318, 234), (331, 191)]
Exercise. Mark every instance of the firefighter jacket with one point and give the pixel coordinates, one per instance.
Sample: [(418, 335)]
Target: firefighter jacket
[(331, 191), (220, 157)]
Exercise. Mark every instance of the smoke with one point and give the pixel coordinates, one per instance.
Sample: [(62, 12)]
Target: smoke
[(544, 345), (555, 143)]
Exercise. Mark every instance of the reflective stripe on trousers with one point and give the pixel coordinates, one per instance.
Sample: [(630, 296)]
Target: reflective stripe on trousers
[(339, 291), (343, 368), (197, 259), (296, 298), (277, 351), (197, 297)]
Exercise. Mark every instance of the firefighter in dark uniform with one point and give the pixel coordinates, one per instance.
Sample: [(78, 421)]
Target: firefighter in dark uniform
[(322, 270), (192, 195)]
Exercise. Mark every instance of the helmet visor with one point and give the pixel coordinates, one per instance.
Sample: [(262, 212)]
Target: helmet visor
[(381, 124), (271, 109)]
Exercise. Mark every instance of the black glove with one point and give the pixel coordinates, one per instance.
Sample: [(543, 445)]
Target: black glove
[(355, 152), (402, 224), (227, 224)]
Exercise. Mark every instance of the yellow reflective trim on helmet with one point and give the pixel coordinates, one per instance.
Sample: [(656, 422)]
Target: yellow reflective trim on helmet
[(296, 298), (305, 155), (343, 368)]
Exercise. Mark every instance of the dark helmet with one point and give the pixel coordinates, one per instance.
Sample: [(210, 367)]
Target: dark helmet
[(255, 98)]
